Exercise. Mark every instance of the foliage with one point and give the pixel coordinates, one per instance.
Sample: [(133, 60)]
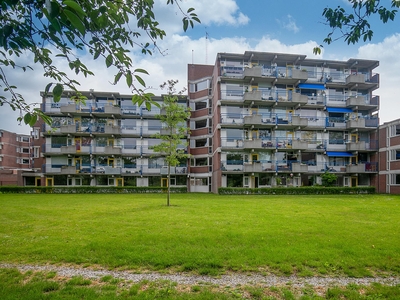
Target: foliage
[(52, 29), (312, 190), (355, 25), (173, 116), (87, 190), (328, 178)]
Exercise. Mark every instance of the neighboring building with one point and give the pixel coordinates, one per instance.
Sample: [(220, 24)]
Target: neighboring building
[(265, 119), (389, 158), (105, 141), (15, 156)]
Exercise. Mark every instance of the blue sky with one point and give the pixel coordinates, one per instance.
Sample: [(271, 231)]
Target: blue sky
[(288, 26)]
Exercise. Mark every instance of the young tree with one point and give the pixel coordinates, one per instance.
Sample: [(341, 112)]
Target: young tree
[(173, 116), (328, 179), (63, 29), (354, 25)]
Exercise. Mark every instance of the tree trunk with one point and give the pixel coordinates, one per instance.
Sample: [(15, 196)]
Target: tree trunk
[(168, 183)]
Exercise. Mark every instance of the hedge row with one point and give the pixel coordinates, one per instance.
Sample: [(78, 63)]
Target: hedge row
[(297, 191), (87, 190)]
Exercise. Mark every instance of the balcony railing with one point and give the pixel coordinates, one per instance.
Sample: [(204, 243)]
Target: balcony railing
[(277, 166)]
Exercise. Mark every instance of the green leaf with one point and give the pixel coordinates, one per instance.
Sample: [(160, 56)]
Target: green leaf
[(136, 99), (47, 89), (185, 24), (148, 105), (129, 78), (141, 71), (75, 6), (141, 81), (109, 60), (33, 120), (27, 118), (117, 77), (57, 92), (75, 21)]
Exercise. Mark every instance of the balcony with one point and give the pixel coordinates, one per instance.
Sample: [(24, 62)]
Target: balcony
[(253, 72), (70, 108), (112, 170), (68, 149), (68, 170), (252, 120), (356, 146), (298, 98), (173, 170), (299, 168), (299, 121), (68, 128), (110, 129), (114, 110), (299, 74), (299, 145), (254, 167), (111, 150), (357, 168), (356, 124), (363, 102), (355, 78), (253, 144)]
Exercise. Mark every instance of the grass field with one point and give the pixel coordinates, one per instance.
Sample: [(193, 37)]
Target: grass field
[(204, 233)]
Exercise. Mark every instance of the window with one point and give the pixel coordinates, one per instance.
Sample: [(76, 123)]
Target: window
[(234, 134), (156, 163), (201, 124), (36, 133), (25, 161), (264, 179), (58, 141), (198, 181), (395, 155), (25, 150), (234, 159), (199, 86), (200, 105), (129, 162), (86, 141), (129, 143), (395, 178), (155, 181), (336, 137), (36, 152), (101, 141), (200, 143), (397, 129)]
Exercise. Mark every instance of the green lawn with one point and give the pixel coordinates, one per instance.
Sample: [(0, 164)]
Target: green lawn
[(205, 233)]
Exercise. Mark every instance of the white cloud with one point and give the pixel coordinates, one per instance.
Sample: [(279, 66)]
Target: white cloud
[(219, 12), (289, 24), (387, 53)]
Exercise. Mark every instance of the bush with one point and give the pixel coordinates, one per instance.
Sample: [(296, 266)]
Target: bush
[(308, 190), (88, 190)]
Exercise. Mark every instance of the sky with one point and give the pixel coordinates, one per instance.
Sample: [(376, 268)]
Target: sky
[(235, 26)]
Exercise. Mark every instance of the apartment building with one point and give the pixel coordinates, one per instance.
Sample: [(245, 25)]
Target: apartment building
[(15, 156), (258, 119), (389, 158), (103, 141), (262, 119)]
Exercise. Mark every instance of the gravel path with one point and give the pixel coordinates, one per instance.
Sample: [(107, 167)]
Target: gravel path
[(223, 280)]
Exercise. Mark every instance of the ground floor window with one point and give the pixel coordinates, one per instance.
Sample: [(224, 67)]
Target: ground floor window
[(235, 180), (155, 181)]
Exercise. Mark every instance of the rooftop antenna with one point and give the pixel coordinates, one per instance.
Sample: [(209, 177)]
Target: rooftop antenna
[(192, 57)]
